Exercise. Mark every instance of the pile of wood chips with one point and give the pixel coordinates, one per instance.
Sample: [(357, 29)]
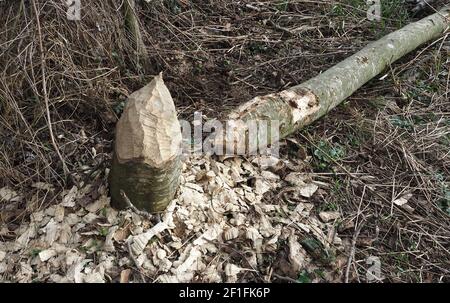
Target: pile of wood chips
[(225, 225)]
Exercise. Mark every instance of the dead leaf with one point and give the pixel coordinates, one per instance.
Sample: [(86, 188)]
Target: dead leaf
[(327, 216), (122, 234), (51, 231), (266, 162), (402, 200), (95, 277), (59, 213), (47, 254), (98, 204), (9, 195), (89, 218), (69, 198), (308, 190), (24, 238), (297, 255), (211, 234), (109, 245), (305, 186)]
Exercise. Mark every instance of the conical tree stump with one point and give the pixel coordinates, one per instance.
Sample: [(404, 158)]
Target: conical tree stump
[(147, 158)]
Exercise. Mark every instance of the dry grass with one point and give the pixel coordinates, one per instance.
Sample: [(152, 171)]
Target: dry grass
[(393, 146), (392, 138)]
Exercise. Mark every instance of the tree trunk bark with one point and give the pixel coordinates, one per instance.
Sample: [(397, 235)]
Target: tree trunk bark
[(133, 28), (302, 104), (147, 157)]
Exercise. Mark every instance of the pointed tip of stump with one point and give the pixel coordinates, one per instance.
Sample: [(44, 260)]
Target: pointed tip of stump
[(159, 77)]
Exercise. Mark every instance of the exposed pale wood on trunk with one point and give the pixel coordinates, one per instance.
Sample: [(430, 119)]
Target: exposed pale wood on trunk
[(300, 105), (147, 164)]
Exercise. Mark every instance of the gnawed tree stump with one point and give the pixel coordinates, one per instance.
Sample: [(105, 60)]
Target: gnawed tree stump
[(300, 105), (147, 158)]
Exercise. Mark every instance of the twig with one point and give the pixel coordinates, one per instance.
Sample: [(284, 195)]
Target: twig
[(352, 251), (285, 278), (133, 208), (130, 252), (280, 28), (253, 7), (44, 88), (140, 241)]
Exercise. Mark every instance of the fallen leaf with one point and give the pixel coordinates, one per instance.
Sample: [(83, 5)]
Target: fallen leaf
[(121, 234), (9, 195), (51, 231), (403, 200), (327, 216), (109, 245), (59, 213), (98, 204), (305, 186), (296, 179), (297, 254), (47, 254), (89, 218), (24, 238), (3, 267), (95, 277), (194, 187), (69, 198), (189, 264), (308, 190), (265, 162)]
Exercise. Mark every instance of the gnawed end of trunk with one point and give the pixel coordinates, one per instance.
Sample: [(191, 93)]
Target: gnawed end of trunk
[(147, 158)]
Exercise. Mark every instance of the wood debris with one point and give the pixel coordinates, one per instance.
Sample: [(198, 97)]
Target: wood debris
[(219, 228)]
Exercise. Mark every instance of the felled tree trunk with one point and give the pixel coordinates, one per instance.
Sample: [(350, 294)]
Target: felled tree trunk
[(147, 158), (302, 104)]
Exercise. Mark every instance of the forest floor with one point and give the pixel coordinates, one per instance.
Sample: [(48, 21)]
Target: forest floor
[(361, 195)]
